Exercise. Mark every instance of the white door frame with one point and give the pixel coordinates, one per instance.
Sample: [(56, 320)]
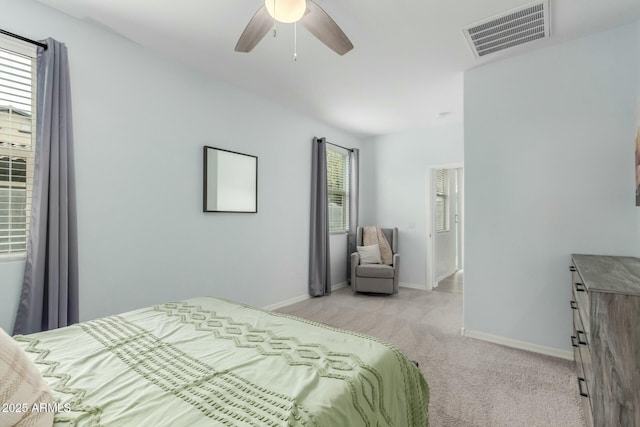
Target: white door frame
[(430, 224)]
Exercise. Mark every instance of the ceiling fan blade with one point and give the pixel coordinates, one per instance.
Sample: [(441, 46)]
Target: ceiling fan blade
[(255, 31), (321, 25)]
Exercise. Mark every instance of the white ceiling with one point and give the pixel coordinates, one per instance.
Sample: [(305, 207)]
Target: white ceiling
[(405, 68)]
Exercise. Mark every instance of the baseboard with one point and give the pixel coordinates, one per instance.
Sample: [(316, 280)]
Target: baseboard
[(522, 345), (444, 276), (339, 286), (286, 302), (299, 298), (411, 285)]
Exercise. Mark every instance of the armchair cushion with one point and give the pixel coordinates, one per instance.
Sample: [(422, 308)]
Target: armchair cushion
[(381, 271), (369, 254)]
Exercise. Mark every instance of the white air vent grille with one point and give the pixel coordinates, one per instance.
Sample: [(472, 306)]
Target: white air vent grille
[(516, 27)]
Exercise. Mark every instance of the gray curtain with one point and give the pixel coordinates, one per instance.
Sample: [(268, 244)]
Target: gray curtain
[(319, 259), (49, 296), (354, 200)]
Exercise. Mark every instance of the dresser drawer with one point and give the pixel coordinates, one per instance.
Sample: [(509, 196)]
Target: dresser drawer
[(581, 298), (583, 341), (586, 403), (583, 382), (578, 329)]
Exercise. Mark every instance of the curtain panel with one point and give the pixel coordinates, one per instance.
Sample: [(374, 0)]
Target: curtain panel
[(319, 254), (49, 297)]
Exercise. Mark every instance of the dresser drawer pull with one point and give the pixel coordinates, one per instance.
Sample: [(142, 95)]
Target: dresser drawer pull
[(580, 381), (573, 305), (580, 287), (581, 341), (573, 341), (572, 268)]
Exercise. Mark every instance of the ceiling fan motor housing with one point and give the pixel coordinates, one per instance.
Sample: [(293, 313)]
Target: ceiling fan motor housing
[(286, 11)]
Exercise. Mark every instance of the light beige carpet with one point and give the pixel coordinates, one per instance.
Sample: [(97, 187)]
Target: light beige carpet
[(472, 383)]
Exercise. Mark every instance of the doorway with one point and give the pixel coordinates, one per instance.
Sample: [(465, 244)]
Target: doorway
[(445, 228)]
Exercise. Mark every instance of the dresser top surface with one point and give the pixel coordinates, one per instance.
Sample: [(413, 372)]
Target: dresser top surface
[(614, 274)]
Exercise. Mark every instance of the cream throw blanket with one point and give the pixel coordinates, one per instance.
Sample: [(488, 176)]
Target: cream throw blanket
[(374, 236), (22, 388)]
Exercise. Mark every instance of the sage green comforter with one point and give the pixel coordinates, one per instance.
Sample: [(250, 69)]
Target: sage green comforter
[(206, 361)]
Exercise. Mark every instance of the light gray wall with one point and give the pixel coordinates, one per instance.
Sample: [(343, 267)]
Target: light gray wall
[(140, 123), (638, 119), (549, 172), (10, 277), (445, 241), (393, 177)]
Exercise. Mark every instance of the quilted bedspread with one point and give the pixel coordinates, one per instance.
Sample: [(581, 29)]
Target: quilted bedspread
[(207, 361)]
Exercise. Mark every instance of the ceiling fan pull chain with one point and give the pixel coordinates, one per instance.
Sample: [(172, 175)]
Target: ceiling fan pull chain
[(275, 25), (295, 41)]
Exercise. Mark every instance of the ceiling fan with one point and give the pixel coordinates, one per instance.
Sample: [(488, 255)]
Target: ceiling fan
[(307, 12)]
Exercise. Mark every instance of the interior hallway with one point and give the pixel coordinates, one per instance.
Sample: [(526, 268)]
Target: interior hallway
[(452, 284)]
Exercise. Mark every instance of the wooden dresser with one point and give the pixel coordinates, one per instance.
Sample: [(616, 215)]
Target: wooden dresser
[(606, 338)]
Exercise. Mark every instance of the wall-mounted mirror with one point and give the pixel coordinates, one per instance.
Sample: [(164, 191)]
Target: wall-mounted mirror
[(230, 181)]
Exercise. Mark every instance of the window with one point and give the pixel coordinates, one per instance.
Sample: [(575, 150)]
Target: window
[(442, 200), (17, 143), (338, 189)]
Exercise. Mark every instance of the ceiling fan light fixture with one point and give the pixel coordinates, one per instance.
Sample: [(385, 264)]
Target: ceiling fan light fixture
[(286, 11)]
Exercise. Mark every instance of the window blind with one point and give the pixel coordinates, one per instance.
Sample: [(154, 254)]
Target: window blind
[(338, 189), (17, 144), (442, 200)]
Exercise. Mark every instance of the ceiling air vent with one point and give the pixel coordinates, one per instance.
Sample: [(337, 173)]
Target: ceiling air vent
[(516, 27)]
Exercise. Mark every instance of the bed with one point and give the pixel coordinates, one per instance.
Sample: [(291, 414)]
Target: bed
[(207, 361)]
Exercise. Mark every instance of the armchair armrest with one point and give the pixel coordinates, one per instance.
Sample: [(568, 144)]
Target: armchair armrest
[(355, 261), (396, 260), (355, 258), (396, 273)]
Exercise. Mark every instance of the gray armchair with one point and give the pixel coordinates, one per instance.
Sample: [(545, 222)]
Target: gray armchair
[(376, 278)]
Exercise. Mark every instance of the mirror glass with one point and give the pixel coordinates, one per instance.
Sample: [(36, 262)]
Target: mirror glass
[(230, 181)]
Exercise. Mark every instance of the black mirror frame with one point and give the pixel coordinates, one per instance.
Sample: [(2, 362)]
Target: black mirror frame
[(204, 195)]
